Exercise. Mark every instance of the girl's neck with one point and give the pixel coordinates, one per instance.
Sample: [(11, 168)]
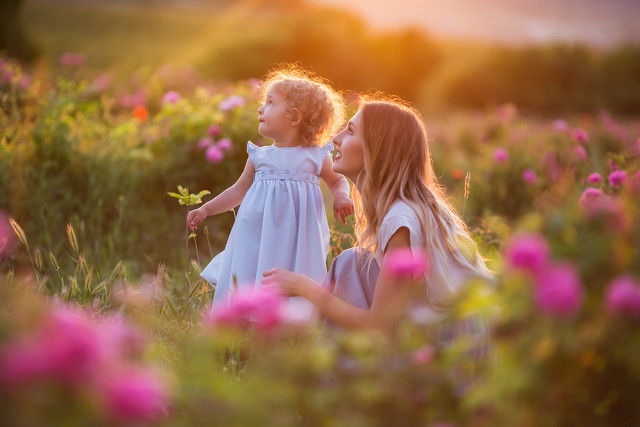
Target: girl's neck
[(287, 142)]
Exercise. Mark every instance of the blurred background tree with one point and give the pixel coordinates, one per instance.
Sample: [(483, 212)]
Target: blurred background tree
[(13, 35)]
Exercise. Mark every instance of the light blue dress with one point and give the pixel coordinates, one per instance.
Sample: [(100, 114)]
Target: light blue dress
[(281, 222)]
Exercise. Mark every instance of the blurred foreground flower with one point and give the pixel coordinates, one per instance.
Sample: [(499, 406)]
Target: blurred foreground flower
[(594, 178), (6, 236), (622, 297), (528, 251), (591, 197), (580, 135), (224, 144), (141, 113), (171, 97), (214, 154), (72, 59), (500, 155), (529, 176), (558, 290), (406, 264), (234, 101), (617, 178)]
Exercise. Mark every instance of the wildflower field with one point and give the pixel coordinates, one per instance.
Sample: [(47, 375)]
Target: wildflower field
[(104, 319)]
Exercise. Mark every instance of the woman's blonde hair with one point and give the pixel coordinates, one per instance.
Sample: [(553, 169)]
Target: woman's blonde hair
[(396, 150), (320, 108)]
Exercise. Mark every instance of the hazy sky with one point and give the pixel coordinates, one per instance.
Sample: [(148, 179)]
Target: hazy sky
[(601, 22)]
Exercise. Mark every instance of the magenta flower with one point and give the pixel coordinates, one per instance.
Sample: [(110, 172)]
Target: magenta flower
[(101, 84), (213, 130), (214, 154), (68, 59), (617, 178), (560, 125), (7, 239), (22, 361), (423, 355), (529, 176), (406, 264), (135, 396), (558, 290), (580, 135), (579, 152), (500, 155), (591, 197), (171, 97), (529, 252), (623, 297), (205, 142), (232, 102), (263, 306), (594, 178), (224, 144)]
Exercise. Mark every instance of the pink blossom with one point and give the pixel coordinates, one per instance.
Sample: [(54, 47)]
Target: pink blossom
[(406, 264), (617, 178), (558, 290), (25, 82), (133, 100), (580, 135), (101, 84), (623, 297), (529, 252), (7, 238), (579, 152), (214, 154), (135, 396), (204, 143), (594, 178), (232, 102), (213, 130), (171, 97), (500, 155), (560, 125), (590, 197), (118, 339), (263, 306), (423, 355), (224, 144), (68, 59), (529, 176), (22, 361)]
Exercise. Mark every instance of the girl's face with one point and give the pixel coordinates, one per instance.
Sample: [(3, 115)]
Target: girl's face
[(272, 117), (349, 143)]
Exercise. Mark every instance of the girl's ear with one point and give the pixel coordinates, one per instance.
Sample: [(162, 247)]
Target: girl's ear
[(296, 118)]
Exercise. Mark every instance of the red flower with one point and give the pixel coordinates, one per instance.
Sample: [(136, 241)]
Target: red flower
[(141, 113)]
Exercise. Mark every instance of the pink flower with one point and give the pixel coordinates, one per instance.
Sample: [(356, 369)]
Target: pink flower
[(263, 306), (406, 264), (135, 396), (580, 135), (529, 176), (423, 355), (7, 238), (623, 297), (500, 155), (591, 197), (214, 154), (529, 252), (171, 97), (617, 178), (560, 125), (558, 290), (579, 152), (101, 84), (213, 130), (133, 100), (232, 102), (204, 143), (224, 144), (118, 339), (68, 59), (594, 178), (22, 361)]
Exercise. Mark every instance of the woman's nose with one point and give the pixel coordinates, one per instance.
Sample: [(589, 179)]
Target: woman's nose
[(337, 140)]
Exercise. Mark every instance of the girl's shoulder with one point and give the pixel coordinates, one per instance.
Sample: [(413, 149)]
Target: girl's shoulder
[(401, 209)]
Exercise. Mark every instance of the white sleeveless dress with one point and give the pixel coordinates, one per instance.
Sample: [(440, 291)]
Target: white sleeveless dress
[(281, 222)]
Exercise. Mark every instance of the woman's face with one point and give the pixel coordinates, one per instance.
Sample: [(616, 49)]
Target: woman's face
[(349, 144)]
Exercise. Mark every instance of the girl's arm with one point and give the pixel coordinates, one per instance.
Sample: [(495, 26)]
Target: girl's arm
[(339, 187), (389, 299), (225, 201)]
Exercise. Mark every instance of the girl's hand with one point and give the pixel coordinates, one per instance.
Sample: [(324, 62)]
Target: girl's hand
[(290, 284), (195, 217), (342, 207)]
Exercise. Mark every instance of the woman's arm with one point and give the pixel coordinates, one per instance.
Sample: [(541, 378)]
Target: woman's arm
[(389, 299), (225, 201), (339, 187)]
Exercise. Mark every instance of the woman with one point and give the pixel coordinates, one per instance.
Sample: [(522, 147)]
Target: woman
[(399, 204)]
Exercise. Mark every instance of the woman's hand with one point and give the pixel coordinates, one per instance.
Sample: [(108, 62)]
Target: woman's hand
[(195, 217), (289, 283), (342, 207)]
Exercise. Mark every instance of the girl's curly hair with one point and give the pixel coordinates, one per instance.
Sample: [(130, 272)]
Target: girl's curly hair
[(320, 108)]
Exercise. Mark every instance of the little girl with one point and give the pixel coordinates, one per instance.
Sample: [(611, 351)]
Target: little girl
[(281, 221)]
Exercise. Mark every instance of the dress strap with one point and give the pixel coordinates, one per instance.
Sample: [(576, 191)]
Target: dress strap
[(251, 147), (326, 148)]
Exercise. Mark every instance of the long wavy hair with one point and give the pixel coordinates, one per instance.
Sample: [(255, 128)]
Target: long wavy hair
[(396, 150)]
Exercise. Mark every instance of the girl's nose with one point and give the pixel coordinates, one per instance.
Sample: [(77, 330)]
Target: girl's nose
[(260, 110)]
